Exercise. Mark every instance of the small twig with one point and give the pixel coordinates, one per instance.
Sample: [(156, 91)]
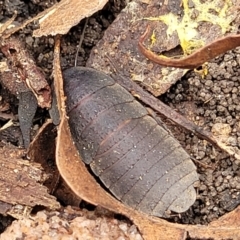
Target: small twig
[(13, 30), (8, 23), (6, 116), (7, 125), (201, 163), (80, 41)]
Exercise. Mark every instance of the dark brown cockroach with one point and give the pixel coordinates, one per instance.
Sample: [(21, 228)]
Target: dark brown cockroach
[(140, 163)]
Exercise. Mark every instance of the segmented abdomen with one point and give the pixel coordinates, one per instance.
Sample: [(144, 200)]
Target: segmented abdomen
[(134, 157)]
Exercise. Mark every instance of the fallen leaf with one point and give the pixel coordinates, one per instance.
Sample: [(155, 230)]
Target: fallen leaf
[(42, 151), (195, 59), (62, 16)]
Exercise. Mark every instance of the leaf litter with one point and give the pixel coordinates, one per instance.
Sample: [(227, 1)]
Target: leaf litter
[(206, 232), (76, 176)]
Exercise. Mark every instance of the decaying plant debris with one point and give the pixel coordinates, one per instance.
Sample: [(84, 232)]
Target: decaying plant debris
[(21, 184), (21, 76), (225, 227), (196, 59), (70, 223)]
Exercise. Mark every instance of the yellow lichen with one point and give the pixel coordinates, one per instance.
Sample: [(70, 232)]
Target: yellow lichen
[(153, 38), (212, 11), (202, 72)]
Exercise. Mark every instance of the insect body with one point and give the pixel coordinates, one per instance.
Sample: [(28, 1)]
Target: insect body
[(135, 158)]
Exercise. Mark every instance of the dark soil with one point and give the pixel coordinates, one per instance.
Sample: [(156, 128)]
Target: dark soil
[(209, 100)]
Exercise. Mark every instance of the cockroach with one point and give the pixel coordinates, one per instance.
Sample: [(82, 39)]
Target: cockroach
[(134, 157)]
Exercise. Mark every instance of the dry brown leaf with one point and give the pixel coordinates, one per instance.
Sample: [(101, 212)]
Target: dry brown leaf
[(42, 151), (62, 16), (82, 183), (59, 18), (197, 58)]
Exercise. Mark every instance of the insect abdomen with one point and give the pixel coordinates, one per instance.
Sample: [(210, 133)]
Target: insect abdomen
[(135, 158)]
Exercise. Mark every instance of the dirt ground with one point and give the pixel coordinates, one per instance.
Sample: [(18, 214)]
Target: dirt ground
[(206, 101)]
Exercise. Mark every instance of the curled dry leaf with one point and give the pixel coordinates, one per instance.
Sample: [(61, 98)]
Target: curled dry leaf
[(74, 172), (62, 16), (59, 18), (42, 151), (197, 58)]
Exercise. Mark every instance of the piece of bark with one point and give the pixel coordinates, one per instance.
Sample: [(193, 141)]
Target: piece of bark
[(26, 81), (26, 75), (21, 184)]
